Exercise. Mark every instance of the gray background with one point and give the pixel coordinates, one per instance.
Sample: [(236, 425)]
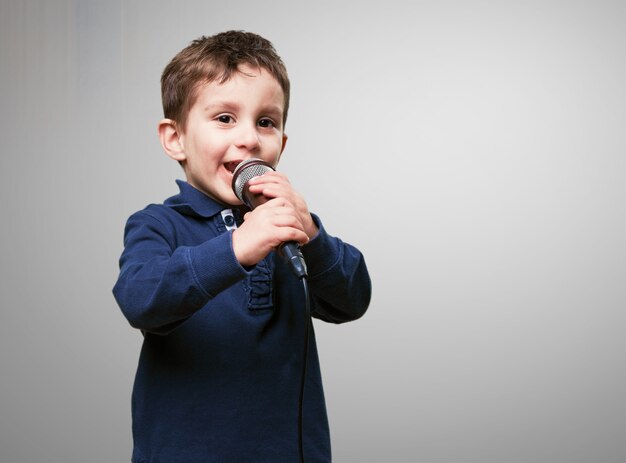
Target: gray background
[(473, 150)]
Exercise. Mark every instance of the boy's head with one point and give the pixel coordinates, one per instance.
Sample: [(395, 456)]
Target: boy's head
[(216, 58), (225, 100)]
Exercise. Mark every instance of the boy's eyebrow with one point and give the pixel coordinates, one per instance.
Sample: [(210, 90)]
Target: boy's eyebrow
[(272, 110), (219, 104)]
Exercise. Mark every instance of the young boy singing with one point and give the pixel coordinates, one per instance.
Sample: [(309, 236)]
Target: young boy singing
[(221, 367)]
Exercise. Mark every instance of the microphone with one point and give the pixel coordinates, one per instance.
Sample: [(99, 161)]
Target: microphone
[(243, 173)]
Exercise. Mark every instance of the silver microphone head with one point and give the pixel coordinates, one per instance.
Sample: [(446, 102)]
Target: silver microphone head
[(246, 170)]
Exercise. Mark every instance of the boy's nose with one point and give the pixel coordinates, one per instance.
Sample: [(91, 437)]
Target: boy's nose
[(247, 137)]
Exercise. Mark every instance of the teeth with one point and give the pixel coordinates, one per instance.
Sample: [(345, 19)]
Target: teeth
[(231, 166)]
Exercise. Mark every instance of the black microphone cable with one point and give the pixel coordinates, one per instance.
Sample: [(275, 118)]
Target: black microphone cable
[(305, 359)]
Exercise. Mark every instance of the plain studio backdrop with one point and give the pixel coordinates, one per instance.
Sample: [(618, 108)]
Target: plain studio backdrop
[(475, 151)]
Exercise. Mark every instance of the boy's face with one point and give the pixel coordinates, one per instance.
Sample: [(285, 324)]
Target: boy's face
[(231, 122)]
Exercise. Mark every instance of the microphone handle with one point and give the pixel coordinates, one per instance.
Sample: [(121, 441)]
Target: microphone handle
[(290, 251)]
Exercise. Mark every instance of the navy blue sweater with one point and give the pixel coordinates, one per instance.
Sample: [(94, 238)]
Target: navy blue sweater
[(219, 373)]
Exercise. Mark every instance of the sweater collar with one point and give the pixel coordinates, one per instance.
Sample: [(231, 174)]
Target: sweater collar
[(191, 201)]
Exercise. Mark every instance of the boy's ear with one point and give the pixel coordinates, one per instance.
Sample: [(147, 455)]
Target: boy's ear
[(169, 136), (282, 148)]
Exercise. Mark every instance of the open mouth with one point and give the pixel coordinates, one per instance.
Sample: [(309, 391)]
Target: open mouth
[(231, 166)]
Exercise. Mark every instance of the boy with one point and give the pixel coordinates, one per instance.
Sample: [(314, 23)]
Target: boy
[(222, 315)]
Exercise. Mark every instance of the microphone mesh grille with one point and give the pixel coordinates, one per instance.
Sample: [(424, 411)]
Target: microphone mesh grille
[(245, 171)]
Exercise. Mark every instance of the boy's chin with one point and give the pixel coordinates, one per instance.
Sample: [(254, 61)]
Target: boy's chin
[(224, 195), (230, 199)]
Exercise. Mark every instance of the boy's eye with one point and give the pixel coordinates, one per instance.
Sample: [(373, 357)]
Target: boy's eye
[(225, 119), (265, 122)]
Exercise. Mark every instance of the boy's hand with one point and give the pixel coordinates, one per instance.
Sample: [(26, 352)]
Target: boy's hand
[(284, 217), (277, 185)]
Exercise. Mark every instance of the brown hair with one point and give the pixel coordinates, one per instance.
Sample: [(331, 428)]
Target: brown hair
[(216, 58)]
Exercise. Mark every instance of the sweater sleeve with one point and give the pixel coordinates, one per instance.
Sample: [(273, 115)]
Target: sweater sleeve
[(338, 278), (161, 284)]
